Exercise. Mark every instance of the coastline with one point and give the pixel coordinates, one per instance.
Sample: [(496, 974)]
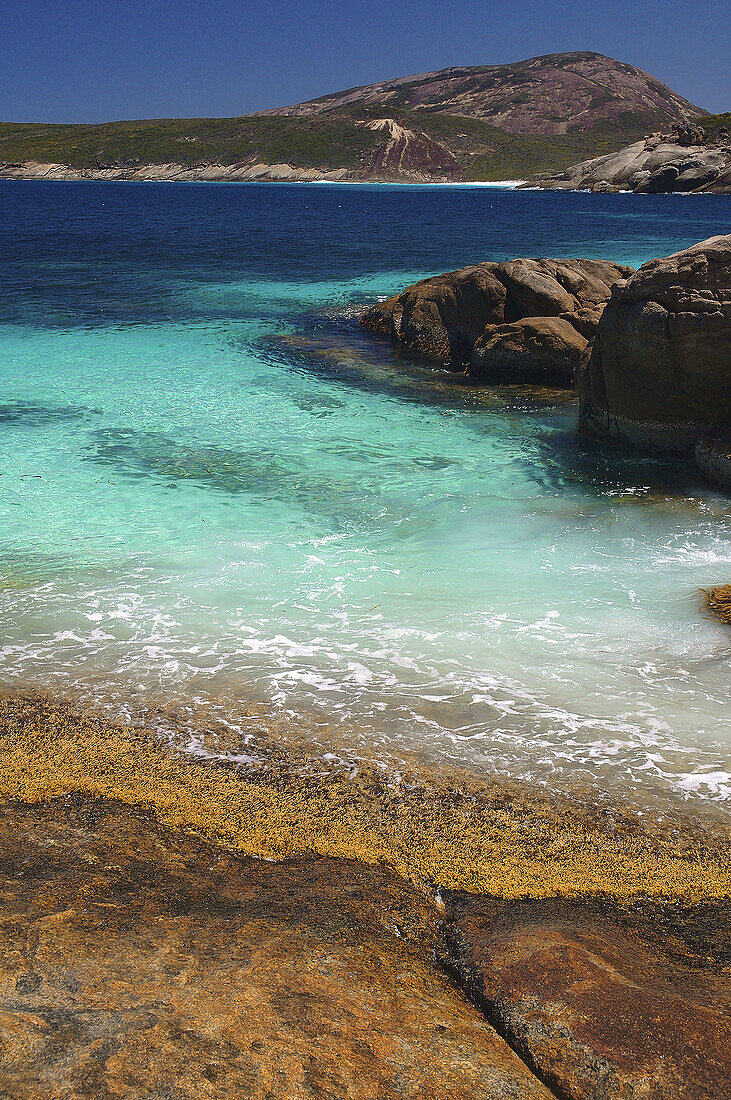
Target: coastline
[(259, 908), (289, 174), (446, 828), (292, 176)]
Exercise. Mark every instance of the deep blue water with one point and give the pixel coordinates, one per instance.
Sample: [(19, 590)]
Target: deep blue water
[(214, 487), (85, 253)]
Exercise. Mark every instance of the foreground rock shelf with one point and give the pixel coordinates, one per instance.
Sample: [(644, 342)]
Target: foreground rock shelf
[(603, 1001), (136, 960), (143, 953)]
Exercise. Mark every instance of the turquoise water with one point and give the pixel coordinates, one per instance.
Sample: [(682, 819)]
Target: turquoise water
[(214, 489)]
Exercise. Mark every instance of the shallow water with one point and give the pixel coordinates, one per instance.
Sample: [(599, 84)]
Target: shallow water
[(214, 486)]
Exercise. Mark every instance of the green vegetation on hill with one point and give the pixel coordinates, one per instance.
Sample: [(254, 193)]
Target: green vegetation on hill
[(336, 140), (321, 143), (487, 153), (716, 124)]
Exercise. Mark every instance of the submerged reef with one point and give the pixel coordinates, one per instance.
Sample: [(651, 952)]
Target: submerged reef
[(33, 415), (403, 936)]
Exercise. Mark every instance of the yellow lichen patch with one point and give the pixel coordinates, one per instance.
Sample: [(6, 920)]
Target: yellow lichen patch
[(718, 602), (485, 838)]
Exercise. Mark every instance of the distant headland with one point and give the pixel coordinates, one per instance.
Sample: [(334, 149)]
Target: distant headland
[(537, 120)]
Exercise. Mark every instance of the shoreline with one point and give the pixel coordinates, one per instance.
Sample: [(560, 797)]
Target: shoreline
[(83, 177), (305, 179), (444, 830)]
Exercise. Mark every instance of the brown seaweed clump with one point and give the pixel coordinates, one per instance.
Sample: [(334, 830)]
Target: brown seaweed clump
[(718, 602)]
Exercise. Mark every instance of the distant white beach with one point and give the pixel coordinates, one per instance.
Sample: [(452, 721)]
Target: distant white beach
[(505, 184)]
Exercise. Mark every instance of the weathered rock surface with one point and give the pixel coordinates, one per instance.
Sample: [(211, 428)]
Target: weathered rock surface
[(713, 458), (521, 320), (244, 172), (679, 161), (606, 1003), (139, 959), (136, 962), (441, 318), (659, 373), (717, 601), (546, 349), (408, 152), (552, 94)]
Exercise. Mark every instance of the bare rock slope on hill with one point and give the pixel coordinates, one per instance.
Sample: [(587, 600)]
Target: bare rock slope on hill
[(551, 94), (680, 161), (409, 151)]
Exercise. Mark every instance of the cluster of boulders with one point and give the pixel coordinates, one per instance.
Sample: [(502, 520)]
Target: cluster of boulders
[(682, 160), (649, 350), (521, 321)]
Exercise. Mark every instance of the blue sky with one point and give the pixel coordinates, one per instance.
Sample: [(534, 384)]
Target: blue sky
[(95, 60)]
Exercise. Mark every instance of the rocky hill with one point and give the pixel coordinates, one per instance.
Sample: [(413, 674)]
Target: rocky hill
[(521, 121), (553, 94)]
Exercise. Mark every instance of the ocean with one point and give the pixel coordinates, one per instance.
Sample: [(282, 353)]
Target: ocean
[(220, 498)]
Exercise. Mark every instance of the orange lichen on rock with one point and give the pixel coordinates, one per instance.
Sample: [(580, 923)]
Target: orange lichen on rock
[(485, 838), (604, 1000), (136, 961), (718, 602)]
